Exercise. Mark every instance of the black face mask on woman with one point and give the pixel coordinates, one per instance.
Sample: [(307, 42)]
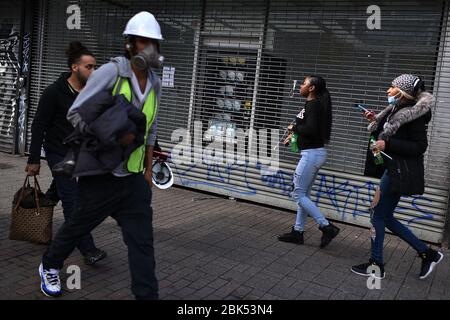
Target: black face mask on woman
[(148, 58)]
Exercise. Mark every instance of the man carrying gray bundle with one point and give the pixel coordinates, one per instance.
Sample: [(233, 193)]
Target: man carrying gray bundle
[(124, 192)]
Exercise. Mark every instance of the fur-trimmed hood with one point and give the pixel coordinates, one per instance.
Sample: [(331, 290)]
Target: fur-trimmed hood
[(405, 115)]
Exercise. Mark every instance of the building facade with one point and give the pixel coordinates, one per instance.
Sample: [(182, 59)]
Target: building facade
[(230, 67)]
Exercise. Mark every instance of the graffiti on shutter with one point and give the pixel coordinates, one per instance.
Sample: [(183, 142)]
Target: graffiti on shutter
[(9, 68)]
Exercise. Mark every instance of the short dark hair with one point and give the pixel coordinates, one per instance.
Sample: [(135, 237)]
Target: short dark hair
[(75, 51)]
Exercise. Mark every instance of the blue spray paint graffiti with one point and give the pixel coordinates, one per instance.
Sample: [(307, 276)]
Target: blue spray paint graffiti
[(279, 180), (416, 206), (345, 197), (217, 177), (332, 190)]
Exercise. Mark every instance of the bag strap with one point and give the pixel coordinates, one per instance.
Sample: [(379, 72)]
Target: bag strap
[(36, 194), (22, 191), (36, 184), (37, 191)]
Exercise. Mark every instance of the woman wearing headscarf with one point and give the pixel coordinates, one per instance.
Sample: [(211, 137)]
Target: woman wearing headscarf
[(400, 131)]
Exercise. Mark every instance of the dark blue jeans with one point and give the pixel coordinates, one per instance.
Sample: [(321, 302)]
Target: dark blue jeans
[(383, 216), (128, 201), (66, 189), (52, 192)]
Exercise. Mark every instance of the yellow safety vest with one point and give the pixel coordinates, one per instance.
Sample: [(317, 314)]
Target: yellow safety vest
[(135, 162)]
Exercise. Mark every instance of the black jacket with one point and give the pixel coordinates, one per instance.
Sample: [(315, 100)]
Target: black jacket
[(406, 147), (307, 126), (107, 119), (50, 126)]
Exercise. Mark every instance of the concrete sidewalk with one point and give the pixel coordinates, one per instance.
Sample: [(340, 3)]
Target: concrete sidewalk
[(208, 247)]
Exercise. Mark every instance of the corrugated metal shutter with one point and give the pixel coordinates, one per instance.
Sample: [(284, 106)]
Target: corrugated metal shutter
[(100, 32), (102, 24), (10, 21), (281, 41), (180, 22), (234, 62)]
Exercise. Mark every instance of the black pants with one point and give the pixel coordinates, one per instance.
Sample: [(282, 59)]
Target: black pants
[(128, 201), (66, 189)]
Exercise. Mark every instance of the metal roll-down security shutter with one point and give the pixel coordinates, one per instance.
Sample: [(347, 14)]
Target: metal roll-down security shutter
[(230, 66), (102, 24), (275, 42), (10, 22)]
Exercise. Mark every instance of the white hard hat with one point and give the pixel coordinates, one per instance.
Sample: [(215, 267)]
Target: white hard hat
[(144, 25), (162, 175)]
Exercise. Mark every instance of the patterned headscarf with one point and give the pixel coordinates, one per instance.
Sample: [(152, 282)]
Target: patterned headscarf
[(406, 83)]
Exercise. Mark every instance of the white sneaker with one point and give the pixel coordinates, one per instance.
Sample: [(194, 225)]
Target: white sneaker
[(50, 282)]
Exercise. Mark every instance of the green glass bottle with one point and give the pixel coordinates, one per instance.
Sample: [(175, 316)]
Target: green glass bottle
[(294, 146), (378, 159)]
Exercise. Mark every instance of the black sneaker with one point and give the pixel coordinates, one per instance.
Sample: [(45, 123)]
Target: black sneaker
[(94, 256), (430, 259), (329, 232), (377, 270), (293, 237)]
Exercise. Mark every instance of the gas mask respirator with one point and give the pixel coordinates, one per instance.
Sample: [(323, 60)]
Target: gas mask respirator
[(148, 58)]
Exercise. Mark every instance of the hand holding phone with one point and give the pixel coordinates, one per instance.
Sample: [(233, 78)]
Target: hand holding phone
[(370, 115), (362, 108)]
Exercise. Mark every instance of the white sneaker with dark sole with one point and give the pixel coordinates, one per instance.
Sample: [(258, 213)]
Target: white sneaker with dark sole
[(50, 282)]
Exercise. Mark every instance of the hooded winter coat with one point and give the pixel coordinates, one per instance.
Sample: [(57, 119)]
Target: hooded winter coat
[(404, 130)]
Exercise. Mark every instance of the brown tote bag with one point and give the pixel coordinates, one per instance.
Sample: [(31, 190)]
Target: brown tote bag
[(31, 224)]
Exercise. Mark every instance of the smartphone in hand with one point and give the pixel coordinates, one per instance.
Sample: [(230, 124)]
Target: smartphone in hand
[(370, 115), (362, 108)]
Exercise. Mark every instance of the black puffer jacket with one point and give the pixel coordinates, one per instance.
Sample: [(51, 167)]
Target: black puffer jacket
[(406, 146)]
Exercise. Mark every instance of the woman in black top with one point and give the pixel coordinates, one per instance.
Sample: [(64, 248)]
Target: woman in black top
[(313, 127), (401, 131)]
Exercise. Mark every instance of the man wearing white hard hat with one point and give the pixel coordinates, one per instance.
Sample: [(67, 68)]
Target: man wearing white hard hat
[(125, 192)]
